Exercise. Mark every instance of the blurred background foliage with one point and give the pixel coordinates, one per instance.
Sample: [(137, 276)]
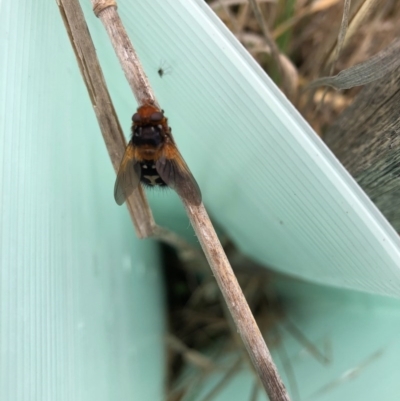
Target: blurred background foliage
[(306, 34)]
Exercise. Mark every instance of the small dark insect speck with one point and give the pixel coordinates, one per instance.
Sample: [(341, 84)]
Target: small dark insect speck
[(164, 69)]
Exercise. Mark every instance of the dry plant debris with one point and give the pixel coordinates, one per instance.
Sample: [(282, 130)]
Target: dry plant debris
[(203, 340), (306, 34), (200, 329)]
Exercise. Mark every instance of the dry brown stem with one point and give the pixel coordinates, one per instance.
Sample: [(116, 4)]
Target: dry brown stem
[(236, 302), (114, 139)]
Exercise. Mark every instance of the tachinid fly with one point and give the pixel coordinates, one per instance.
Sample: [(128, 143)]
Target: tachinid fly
[(152, 158)]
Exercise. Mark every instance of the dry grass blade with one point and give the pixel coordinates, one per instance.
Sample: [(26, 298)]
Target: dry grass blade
[(371, 70), (218, 3), (242, 16), (341, 37), (287, 366), (267, 35), (301, 338), (230, 17), (306, 11), (291, 77), (342, 33), (192, 356), (188, 253), (224, 381), (348, 375), (367, 8), (285, 67)]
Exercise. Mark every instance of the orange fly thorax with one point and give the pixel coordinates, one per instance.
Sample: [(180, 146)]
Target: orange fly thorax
[(149, 131)]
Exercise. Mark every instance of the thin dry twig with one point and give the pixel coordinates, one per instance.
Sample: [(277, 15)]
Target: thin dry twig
[(114, 139), (342, 34), (312, 8), (267, 35), (224, 380), (236, 302), (247, 327), (294, 331), (285, 67), (191, 355), (229, 16), (340, 42), (287, 366), (366, 9)]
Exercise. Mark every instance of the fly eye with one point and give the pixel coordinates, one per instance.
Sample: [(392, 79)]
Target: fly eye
[(136, 118), (157, 116)]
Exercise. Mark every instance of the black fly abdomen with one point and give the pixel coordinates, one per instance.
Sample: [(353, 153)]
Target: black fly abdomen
[(149, 175)]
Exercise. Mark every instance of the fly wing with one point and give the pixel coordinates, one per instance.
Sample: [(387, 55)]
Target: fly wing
[(128, 176), (176, 174)]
